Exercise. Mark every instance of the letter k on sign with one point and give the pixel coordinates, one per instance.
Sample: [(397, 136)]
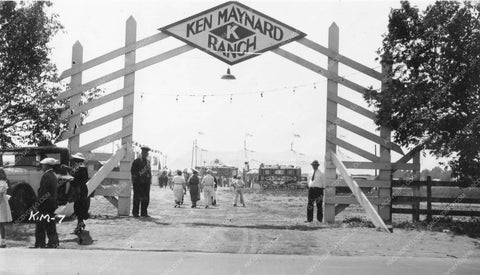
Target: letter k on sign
[(231, 32)]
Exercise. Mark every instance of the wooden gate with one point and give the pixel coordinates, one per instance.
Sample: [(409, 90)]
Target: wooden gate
[(333, 204)]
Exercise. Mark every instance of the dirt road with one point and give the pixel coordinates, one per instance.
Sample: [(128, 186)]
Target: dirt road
[(272, 223)]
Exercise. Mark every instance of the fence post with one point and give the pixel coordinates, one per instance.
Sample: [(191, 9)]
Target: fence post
[(429, 198), (332, 89), (127, 121), (416, 189)]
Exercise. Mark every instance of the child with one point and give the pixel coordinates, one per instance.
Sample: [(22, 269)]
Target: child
[(238, 185), (5, 214)]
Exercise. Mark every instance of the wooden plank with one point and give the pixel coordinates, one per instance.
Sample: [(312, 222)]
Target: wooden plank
[(361, 165), (122, 72), (97, 156), (400, 183), (352, 106), (326, 73), (106, 140), (340, 207), (438, 212), (112, 200), (364, 133), (329, 210), (113, 54), (99, 122), (353, 200), (97, 102), (97, 178), (352, 148), (405, 166), (340, 58), (417, 199), (118, 175), (359, 195), (361, 183)]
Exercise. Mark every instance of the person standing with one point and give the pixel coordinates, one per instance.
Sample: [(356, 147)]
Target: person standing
[(208, 183), (5, 213), (163, 179), (81, 199), (238, 185), (47, 193), (141, 179), (193, 183), (315, 193), (179, 188)]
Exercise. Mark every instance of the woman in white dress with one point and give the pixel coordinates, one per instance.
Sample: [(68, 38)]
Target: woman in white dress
[(5, 214), (179, 188)]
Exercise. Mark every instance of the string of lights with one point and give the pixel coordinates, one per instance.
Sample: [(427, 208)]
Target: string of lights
[(260, 93)]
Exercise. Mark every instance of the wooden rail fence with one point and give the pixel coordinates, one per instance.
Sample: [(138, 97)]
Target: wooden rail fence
[(447, 195)]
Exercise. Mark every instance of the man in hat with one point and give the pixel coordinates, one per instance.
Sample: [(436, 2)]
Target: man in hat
[(47, 195), (141, 179), (316, 185)]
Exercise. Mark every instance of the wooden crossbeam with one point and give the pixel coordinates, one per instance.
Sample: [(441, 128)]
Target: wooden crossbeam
[(352, 148), (98, 122), (97, 102), (122, 72), (340, 58), (375, 165), (97, 178), (97, 156), (361, 183), (106, 140), (353, 200), (309, 65), (364, 133), (359, 195), (113, 54), (119, 175), (410, 154), (352, 106)]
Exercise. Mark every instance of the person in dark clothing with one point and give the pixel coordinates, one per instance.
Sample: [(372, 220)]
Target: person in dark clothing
[(47, 198), (193, 183), (163, 180), (141, 179), (79, 187)]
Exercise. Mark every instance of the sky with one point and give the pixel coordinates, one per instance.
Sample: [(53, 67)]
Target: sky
[(183, 98)]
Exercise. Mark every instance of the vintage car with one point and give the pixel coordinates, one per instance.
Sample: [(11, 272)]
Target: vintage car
[(23, 170)]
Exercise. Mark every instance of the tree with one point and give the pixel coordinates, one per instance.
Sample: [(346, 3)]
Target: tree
[(432, 96)]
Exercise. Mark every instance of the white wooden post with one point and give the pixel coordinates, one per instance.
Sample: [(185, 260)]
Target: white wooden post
[(332, 90), (384, 192), (75, 81), (127, 121)]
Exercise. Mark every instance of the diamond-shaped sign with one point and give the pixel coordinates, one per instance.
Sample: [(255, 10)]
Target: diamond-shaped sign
[(232, 32)]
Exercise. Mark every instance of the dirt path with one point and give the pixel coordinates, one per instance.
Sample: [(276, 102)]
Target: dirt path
[(270, 224)]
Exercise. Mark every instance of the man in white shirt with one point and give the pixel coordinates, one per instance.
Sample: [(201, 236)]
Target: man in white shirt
[(315, 193), (208, 183)]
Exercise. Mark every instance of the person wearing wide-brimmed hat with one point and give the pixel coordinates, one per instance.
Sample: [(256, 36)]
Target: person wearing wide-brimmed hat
[(47, 198), (141, 179), (193, 183), (316, 185), (81, 203)]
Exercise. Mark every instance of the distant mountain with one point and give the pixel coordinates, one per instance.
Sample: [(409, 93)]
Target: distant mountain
[(237, 159)]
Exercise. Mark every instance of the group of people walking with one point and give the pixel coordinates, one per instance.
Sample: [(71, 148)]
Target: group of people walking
[(179, 183)]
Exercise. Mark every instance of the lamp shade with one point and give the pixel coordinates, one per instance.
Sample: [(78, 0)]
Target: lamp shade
[(228, 76)]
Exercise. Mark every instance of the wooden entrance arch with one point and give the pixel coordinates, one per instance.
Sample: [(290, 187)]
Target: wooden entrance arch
[(378, 206)]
